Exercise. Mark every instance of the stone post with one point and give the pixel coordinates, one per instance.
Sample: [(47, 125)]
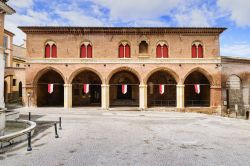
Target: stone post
[(180, 96), (143, 97), (67, 95), (245, 91), (105, 97)]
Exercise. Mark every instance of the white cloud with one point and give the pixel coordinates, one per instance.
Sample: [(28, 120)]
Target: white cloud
[(238, 49), (129, 10), (20, 3), (238, 10)]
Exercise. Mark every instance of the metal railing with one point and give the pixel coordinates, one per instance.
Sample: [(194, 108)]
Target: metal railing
[(163, 103), (197, 103)]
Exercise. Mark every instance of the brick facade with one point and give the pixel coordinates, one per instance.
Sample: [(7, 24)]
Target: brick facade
[(105, 62)]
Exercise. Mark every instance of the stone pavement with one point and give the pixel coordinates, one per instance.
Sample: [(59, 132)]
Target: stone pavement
[(91, 137)]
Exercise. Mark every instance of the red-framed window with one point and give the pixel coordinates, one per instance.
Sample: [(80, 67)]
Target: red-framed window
[(162, 51), (197, 51), (50, 51), (124, 51), (86, 51), (47, 51), (54, 51)]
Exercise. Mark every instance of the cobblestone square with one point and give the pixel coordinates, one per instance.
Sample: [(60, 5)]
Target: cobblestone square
[(134, 138)]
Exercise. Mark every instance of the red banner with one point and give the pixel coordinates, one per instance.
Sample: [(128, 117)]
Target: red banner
[(124, 89), (162, 89), (197, 88), (50, 88), (86, 88)]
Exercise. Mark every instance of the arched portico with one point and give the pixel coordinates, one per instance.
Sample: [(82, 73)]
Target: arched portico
[(197, 89), (124, 89), (86, 89), (49, 89), (161, 89)]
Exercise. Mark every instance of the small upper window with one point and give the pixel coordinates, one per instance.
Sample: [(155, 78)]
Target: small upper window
[(50, 50), (143, 47), (86, 50), (197, 50), (124, 50), (162, 50)]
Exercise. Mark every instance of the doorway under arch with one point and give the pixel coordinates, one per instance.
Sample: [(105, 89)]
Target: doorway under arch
[(158, 97), (54, 98), (91, 97), (124, 89), (197, 90)]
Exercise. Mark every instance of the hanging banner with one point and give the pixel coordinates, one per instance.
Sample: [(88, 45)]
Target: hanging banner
[(50, 88), (162, 89), (86, 88), (197, 88), (124, 89)]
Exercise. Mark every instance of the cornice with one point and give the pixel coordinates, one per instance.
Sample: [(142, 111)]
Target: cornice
[(122, 30)]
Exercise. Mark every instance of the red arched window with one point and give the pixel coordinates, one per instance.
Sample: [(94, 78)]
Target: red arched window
[(127, 51), (165, 51), (200, 51), (83, 51), (121, 51), (89, 51), (158, 51), (194, 51), (54, 51), (47, 51)]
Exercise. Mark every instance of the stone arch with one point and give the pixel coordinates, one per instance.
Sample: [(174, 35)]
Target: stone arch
[(54, 97), (197, 89), (50, 42), (197, 42), (169, 71), (124, 88), (202, 71), (124, 68), (236, 79), (162, 42), (161, 89), (124, 43), (78, 71), (43, 71), (86, 42)]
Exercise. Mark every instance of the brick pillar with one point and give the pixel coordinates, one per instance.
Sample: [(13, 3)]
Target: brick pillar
[(180, 96), (67, 95), (105, 97), (143, 97)]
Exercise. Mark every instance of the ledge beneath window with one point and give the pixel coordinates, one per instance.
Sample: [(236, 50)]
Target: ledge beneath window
[(144, 56)]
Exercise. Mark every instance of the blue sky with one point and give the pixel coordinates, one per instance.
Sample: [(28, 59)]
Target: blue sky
[(232, 14)]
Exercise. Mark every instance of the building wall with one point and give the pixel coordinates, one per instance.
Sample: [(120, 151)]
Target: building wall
[(105, 62), (13, 72), (106, 46), (237, 72)]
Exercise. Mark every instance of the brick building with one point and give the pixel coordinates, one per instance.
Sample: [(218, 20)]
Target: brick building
[(14, 74), (236, 86), (145, 68)]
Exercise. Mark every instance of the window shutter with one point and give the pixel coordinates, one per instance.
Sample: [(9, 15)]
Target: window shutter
[(165, 51), (47, 51), (127, 51), (54, 51), (121, 51), (194, 51), (83, 51), (158, 51), (89, 49), (200, 51)]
